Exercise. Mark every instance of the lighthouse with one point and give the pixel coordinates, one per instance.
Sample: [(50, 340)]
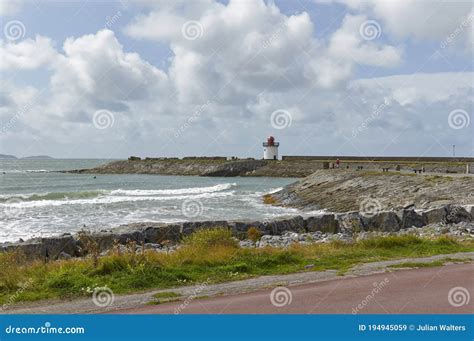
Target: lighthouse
[(270, 149)]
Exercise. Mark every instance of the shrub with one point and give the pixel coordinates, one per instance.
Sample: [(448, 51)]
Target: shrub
[(269, 200), (206, 238), (89, 245), (254, 234)]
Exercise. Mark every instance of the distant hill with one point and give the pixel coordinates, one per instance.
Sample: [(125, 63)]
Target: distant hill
[(7, 157), (38, 157)]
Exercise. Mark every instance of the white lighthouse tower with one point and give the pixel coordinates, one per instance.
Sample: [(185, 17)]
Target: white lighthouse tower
[(270, 149)]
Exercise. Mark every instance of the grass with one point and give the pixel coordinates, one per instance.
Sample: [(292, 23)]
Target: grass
[(166, 294), (164, 297), (427, 264), (209, 256)]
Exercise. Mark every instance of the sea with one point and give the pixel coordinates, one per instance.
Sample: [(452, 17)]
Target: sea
[(38, 201)]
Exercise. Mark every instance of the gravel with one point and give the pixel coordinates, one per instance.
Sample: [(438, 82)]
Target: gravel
[(461, 231)]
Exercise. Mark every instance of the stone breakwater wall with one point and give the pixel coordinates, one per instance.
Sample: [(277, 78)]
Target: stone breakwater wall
[(68, 245), (296, 168)]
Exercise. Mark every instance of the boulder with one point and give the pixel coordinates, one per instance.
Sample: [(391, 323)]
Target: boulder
[(470, 209), (44, 248), (188, 228), (157, 233), (105, 241), (386, 221), (294, 224), (324, 223), (32, 249), (434, 215), (350, 222), (457, 214), (53, 246), (411, 218), (64, 255)]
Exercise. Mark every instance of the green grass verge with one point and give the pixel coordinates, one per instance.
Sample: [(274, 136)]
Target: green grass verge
[(427, 264), (209, 256)]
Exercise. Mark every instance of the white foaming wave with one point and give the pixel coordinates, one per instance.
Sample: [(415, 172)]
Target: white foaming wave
[(191, 190), (17, 171), (274, 190), (112, 200)]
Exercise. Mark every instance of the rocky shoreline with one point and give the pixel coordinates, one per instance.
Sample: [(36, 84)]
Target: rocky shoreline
[(349, 190), (324, 227)]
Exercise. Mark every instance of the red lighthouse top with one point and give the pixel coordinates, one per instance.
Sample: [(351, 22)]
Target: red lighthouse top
[(271, 142)]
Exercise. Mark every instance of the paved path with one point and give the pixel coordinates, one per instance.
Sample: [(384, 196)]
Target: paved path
[(422, 290)]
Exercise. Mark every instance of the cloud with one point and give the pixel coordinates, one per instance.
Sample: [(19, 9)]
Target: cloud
[(243, 61), (348, 42), (26, 54), (94, 72), (246, 46), (422, 20), (11, 7)]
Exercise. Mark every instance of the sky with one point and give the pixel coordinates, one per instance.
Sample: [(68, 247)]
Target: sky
[(110, 79)]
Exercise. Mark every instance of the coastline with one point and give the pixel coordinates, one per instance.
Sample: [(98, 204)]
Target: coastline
[(161, 235)]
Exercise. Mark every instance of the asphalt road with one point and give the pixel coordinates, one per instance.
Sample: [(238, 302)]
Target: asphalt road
[(425, 290)]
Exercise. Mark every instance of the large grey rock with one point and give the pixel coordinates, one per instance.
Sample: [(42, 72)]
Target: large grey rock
[(382, 221), (470, 209), (158, 234), (457, 214), (53, 246), (434, 215), (44, 248), (324, 223), (294, 224), (350, 222), (410, 218), (188, 228)]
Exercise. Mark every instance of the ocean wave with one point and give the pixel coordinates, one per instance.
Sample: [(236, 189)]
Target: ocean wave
[(191, 190), (121, 193), (53, 196), (108, 199), (17, 171)]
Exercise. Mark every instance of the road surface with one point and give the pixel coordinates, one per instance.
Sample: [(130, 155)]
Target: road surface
[(436, 290)]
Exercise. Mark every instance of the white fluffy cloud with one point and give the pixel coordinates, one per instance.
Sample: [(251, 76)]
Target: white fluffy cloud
[(27, 54), (94, 70), (420, 19), (243, 61)]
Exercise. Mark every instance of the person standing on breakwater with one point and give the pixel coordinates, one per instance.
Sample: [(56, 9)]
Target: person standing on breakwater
[(338, 162)]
